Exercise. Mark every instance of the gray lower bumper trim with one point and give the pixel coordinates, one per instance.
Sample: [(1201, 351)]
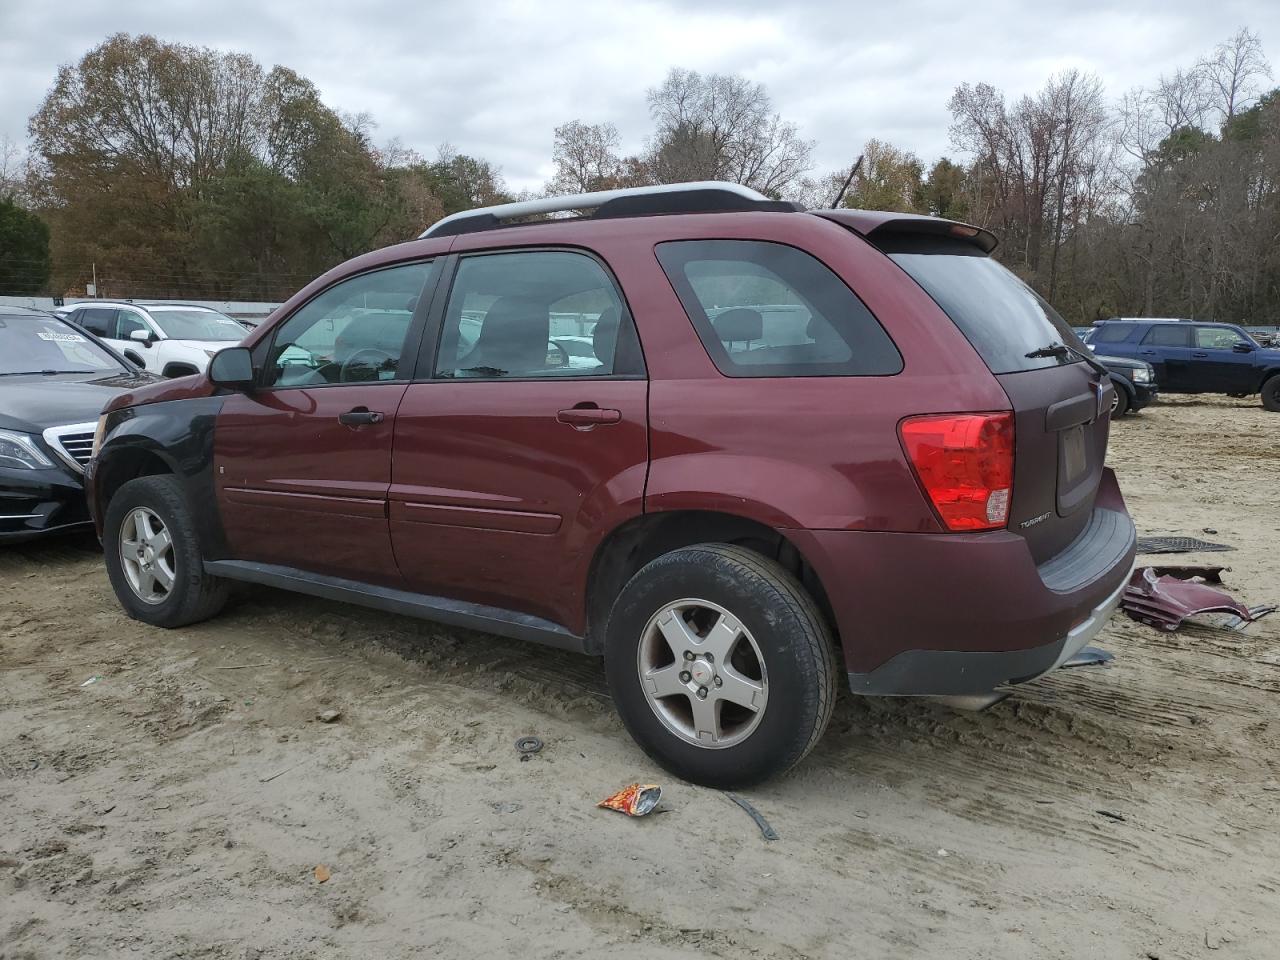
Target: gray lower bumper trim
[(966, 672)]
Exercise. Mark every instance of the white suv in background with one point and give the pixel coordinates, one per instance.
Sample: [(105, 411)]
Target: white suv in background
[(172, 340)]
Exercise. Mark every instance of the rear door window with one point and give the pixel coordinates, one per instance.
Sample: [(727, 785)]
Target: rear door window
[(1111, 333), (100, 321), (768, 310), (542, 314), (1168, 335), (1002, 317)]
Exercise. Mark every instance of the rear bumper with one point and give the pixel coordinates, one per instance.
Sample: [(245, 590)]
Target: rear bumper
[(956, 614)]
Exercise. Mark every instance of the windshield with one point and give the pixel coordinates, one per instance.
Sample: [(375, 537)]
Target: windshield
[(197, 325), (47, 345), (1001, 316)]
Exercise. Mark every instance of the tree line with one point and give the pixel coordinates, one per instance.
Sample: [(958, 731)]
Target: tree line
[(172, 170)]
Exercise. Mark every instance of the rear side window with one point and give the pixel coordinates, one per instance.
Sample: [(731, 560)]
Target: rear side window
[(1000, 315), (1168, 335), (768, 310), (100, 321), (1111, 333)]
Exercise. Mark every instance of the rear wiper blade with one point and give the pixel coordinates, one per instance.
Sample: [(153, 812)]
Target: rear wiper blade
[(1052, 350), (1062, 350)]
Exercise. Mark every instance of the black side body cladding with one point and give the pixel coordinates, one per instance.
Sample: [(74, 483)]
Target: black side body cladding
[(455, 613), (179, 433)]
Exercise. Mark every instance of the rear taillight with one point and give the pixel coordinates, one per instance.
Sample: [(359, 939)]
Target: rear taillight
[(965, 463)]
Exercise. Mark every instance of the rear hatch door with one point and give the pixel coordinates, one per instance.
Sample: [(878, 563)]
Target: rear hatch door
[(1061, 403)]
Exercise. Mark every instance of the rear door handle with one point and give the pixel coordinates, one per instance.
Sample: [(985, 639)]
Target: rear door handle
[(1199, 353), (1148, 353), (359, 417), (588, 416)]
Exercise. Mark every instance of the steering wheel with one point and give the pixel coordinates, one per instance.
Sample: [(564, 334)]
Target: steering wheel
[(380, 357), (564, 354)]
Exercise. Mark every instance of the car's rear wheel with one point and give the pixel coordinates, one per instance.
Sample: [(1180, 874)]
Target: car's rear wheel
[(1119, 403), (1271, 393), (152, 551), (721, 665)]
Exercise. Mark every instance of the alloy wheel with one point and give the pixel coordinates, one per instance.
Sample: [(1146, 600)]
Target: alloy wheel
[(702, 673), (146, 554)]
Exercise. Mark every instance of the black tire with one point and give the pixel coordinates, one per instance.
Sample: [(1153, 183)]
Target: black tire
[(1121, 405), (195, 595), (1271, 393), (790, 632)]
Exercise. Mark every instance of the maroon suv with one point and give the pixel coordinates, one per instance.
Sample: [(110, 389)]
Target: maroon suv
[(724, 443)]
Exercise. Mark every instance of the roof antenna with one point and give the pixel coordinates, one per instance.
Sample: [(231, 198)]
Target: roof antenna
[(847, 181)]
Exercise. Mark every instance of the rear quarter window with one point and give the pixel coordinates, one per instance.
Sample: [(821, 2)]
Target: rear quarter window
[(768, 310), (1002, 317)]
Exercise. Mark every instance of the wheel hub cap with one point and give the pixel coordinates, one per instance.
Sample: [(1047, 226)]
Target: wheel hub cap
[(701, 672)]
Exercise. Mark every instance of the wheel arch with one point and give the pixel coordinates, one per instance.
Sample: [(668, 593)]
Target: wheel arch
[(634, 543)]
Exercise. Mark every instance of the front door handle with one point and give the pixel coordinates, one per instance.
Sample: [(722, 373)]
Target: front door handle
[(1148, 353), (1199, 353), (586, 417), (359, 417)]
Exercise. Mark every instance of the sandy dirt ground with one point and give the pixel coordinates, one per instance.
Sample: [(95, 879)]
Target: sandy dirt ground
[(179, 806)]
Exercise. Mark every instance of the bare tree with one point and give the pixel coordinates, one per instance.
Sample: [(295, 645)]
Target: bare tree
[(723, 127), (586, 158), (13, 168), (1233, 73)]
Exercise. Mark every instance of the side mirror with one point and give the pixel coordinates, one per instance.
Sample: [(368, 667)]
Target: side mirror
[(232, 368), (1241, 347), (141, 336)]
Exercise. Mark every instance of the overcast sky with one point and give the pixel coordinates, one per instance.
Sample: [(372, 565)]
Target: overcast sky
[(494, 77)]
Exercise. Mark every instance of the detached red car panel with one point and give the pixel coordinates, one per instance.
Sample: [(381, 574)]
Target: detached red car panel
[(724, 443)]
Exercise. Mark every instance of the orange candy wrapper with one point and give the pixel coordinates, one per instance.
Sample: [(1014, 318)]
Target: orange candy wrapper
[(635, 800)]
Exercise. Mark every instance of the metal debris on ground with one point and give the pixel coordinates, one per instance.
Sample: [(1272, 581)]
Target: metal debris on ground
[(1117, 817), (635, 800), (768, 831), (528, 745), (1164, 597), (329, 716), (91, 681), (1179, 545), (1089, 656)]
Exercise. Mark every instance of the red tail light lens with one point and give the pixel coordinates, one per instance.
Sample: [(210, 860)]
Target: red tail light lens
[(965, 463)]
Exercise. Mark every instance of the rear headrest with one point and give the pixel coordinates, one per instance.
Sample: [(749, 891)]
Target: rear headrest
[(604, 337), (739, 323)]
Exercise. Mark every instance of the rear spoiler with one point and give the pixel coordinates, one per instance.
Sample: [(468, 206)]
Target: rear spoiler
[(873, 223)]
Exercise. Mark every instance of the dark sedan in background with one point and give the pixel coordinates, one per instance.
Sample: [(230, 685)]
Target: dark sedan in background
[(54, 381)]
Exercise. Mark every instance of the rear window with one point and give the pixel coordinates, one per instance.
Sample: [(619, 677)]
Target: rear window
[(1111, 333), (1000, 315), (768, 310)]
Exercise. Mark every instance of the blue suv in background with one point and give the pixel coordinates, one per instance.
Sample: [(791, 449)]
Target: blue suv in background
[(1193, 357)]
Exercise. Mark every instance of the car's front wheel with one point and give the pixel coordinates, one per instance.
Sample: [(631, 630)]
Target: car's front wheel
[(1119, 403), (720, 664), (152, 551)]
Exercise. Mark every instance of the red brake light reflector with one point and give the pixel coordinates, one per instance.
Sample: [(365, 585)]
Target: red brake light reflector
[(964, 462)]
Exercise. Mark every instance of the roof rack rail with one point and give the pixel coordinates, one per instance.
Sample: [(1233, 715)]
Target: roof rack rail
[(701, 196)]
